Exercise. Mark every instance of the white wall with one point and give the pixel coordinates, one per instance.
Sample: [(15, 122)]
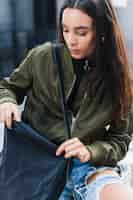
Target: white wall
[(120, 3)]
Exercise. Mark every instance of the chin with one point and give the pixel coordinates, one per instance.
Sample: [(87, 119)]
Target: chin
[(77, 56)]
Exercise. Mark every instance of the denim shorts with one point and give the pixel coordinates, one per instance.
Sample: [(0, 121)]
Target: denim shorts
[(77, 188)]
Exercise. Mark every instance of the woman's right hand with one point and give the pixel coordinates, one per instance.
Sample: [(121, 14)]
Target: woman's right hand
[(8, 113)]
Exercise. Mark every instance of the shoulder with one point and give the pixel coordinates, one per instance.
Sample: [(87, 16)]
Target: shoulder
[(41, 50), (44, 51)]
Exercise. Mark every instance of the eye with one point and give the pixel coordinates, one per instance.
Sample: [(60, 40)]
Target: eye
[(82, 33), (65, 30)]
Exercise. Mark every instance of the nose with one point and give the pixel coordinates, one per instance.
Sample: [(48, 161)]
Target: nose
[(72, 40)]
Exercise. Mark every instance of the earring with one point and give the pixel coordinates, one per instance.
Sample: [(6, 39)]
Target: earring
[(102, 39)]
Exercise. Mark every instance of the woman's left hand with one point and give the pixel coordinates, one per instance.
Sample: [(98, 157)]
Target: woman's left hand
[(74, 148)]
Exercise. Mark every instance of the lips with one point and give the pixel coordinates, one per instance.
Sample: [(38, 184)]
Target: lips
[(75, 50)]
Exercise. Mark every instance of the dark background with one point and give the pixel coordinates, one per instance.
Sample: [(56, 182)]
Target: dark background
[(24, 24)]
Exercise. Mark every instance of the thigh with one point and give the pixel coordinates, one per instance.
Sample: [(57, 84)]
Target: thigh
[(93, 184), (115, 192)]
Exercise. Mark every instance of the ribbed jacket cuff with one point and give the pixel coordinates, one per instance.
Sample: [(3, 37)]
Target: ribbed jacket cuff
[(99, 152), (7, 100)]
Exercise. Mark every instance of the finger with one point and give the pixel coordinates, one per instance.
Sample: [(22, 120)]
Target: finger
[(73, 153), (60, 150), (17, 115), (2, 118), (84, 157), (73, 146), (8, 119), (62, 147), (81, 153)]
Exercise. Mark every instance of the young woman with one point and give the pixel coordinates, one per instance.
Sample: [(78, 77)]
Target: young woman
[(98, 90)]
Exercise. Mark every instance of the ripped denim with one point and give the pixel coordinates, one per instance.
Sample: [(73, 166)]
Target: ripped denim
[(77, 188)]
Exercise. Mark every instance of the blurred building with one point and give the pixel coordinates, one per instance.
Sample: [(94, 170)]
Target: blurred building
[(23, 24)]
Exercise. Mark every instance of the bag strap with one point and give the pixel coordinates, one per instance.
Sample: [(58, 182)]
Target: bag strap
[(56, 53)]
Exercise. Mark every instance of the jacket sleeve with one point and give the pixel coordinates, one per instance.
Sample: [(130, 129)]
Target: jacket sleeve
[(115, 145), (14, 88)]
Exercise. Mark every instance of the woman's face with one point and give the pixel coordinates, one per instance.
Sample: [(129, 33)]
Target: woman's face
[(79, 33)]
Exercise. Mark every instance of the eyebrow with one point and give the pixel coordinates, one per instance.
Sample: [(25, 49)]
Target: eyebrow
[(79, 27)]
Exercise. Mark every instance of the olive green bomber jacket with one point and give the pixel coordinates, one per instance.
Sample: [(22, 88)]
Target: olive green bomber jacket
[(36, 78)]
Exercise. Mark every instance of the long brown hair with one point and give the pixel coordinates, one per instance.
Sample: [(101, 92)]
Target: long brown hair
[(111, 55)]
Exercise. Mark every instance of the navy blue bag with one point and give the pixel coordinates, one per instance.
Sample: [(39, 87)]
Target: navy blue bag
[(30, 170)]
